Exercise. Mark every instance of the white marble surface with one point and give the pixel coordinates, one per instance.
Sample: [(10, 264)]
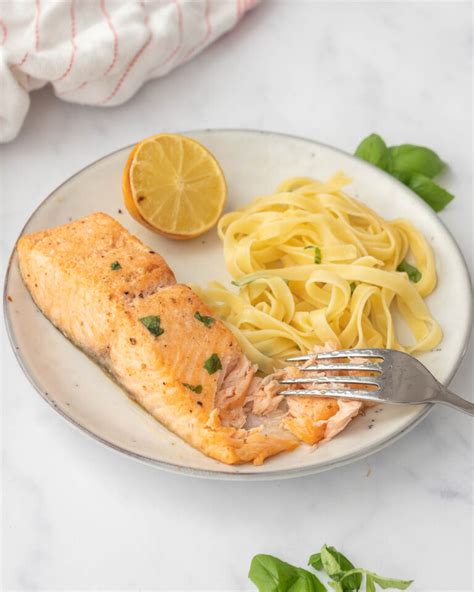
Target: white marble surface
[(79, 516)]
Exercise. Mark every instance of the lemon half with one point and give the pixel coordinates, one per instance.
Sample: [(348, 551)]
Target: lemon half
[(174, 185)]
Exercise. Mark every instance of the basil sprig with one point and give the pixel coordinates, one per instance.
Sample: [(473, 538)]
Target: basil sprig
[(334, 563), (414, 166), (271, 574)]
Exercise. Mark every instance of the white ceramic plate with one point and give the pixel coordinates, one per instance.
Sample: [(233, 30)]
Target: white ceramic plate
[(254, 163)]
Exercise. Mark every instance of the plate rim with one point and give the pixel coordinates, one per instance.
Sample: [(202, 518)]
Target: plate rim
[(279, 474)]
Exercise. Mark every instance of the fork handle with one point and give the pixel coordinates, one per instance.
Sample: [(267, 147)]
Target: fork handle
[(452, 400)]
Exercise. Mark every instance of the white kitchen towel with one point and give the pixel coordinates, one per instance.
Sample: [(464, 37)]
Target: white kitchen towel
[(99, 52)]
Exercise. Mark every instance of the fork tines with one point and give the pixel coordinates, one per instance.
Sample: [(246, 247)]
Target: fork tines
[(340, 353), (369, 385)]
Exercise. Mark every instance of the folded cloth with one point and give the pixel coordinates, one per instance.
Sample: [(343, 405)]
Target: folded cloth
[(99, 52)]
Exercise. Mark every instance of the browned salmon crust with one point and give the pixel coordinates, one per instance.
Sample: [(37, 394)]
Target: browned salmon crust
[(95, 281)]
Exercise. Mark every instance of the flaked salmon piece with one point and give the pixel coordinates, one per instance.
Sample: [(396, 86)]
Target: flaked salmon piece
[(232, 389), (263, 396), (318, 419), (311, 419), (118, 301)]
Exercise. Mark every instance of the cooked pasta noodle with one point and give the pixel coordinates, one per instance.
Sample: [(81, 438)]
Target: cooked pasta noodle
[(314, 265)]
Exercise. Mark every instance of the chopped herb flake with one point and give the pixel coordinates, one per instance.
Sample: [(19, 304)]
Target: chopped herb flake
[(115, 265), (317, 253), (196, 389), (152, 323), (353, 286), (414, 275), (213, 364), (208, 321)]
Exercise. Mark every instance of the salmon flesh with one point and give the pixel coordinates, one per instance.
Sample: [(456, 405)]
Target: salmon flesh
[(118, 301)]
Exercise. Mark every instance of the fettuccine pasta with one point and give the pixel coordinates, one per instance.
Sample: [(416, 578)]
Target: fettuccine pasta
[(313, 265)]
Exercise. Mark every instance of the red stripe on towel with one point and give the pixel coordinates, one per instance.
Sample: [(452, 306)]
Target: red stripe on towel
[(72, 59)]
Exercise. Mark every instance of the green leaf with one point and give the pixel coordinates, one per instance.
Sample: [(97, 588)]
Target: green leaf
[(352, 579), (270, 574), (213, 364), (414, 275), (408, 158), (115, 265), (342, 561), (339, 568), (387, 583), (152, 323), (434, 195), (373, 149), (208, 321), (401, 176), (412, 165), (337, 586), (369, 583), (315, 562), (330, 561), (196, 389)]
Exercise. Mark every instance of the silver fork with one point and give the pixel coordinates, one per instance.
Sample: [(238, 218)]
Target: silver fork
[(392, 377)]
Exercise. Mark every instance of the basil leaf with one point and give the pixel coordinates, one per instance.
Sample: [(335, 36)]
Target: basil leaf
[(315, 562), (115, 265), (434, 195), (152, 323), (401, 176), (208, 321), (386, 583), (345, 564), (408, 158), (213, 364), (339, 568), (369, 583), (414, 275), (270, 574), (196, 389), (373, 149), (412, 165), (352, 579), (330, 561)]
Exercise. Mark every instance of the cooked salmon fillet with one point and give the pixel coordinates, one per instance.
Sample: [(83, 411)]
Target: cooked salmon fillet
[(118, 301)]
